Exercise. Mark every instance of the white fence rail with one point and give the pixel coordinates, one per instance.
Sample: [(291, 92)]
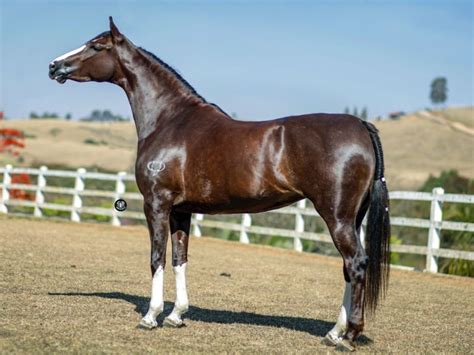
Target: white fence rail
[(434, 225)]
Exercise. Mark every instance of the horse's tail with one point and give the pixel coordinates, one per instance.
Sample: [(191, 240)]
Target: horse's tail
[(378, 229)]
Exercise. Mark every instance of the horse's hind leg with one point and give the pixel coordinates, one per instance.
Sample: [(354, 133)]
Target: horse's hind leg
[(346, 239), (335, 334), (180, 224)]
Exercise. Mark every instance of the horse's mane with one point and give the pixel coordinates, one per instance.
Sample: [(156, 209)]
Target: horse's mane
[(170, 69), (103, 34), (174, 72), (183, 81)]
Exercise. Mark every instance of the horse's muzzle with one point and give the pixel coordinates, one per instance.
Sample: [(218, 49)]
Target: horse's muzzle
[(59, 71)]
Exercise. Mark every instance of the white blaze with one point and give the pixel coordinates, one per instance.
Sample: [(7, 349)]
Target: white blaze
[(68, 54)]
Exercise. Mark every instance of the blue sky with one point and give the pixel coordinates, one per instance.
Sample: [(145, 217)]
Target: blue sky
[(260, 59)]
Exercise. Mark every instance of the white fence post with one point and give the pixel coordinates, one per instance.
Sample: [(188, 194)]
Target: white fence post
[(77, 200), (299, 226), (434, 235), (246, 222), (7, 180), (39, 200), (196, 229), (119, 191)]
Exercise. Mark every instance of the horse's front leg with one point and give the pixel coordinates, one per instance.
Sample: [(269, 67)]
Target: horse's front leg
[(180, 224), (157, 215)]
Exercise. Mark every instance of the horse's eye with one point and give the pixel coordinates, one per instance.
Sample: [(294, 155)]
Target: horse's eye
[(98, 46)]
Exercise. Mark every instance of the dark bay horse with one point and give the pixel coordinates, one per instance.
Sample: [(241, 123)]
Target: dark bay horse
[(193, 158)]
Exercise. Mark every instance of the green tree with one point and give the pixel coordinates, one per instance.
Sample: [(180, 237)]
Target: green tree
[(34, 115), (364, 114), (347, 110), (451, 182), (68, 116), (439, 90), (96, 115), (107, 115)]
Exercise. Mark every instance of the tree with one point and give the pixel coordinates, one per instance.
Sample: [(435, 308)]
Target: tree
[(364, 114), (33, 115), (107, 115), (68, 116), (96, 115), (47, 114), (103, 116), (347, 110), (439, 90), (355, 112)]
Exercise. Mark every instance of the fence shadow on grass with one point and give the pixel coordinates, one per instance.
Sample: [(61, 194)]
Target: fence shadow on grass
[(312, 326)]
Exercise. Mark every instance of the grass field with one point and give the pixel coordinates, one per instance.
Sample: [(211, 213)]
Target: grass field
[(414, 146), (82, 288), (464, 115)]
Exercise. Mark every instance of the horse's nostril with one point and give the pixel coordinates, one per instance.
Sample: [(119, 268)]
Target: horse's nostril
[(52, 66)]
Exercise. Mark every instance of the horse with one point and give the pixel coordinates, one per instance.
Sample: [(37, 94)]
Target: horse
[(193, 158)]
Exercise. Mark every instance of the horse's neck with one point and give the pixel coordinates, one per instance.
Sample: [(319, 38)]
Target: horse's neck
[(155, 97)]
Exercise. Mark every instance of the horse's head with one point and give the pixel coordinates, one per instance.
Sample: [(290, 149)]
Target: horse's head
[(96, 60)]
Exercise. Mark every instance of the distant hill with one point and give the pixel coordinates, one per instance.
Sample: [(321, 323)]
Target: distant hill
[(73, 144), (415, 146)]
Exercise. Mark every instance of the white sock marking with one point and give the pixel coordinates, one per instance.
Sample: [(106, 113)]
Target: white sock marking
[(182, 303), (342, 320), (68, 54), (156, 301)]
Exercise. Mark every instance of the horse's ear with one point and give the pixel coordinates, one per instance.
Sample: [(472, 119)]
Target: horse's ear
[(116, 35)]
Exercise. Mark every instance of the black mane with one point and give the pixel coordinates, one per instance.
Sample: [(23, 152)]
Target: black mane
[(103, 34), (180, 78)]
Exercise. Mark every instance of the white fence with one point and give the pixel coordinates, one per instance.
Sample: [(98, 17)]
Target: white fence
[(434, 225)]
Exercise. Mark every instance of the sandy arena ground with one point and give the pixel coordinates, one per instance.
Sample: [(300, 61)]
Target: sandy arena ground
[(83, 288)]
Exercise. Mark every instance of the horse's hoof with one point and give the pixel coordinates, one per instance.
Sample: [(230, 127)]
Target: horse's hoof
[(328, 340), (172, 323), (345, 345), (147, 323)]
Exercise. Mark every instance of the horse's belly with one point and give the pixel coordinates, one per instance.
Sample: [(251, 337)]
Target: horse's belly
[(238, 205)]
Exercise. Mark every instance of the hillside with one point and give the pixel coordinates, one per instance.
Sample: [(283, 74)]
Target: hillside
[(416, 145), (72, 144)]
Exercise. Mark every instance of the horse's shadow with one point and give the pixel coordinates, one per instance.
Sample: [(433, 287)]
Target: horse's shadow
[(312, 326)]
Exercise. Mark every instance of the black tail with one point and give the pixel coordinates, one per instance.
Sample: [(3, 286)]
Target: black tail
[(377, 243)]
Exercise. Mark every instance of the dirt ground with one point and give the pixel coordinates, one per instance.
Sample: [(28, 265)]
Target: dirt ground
[(82, 288)]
